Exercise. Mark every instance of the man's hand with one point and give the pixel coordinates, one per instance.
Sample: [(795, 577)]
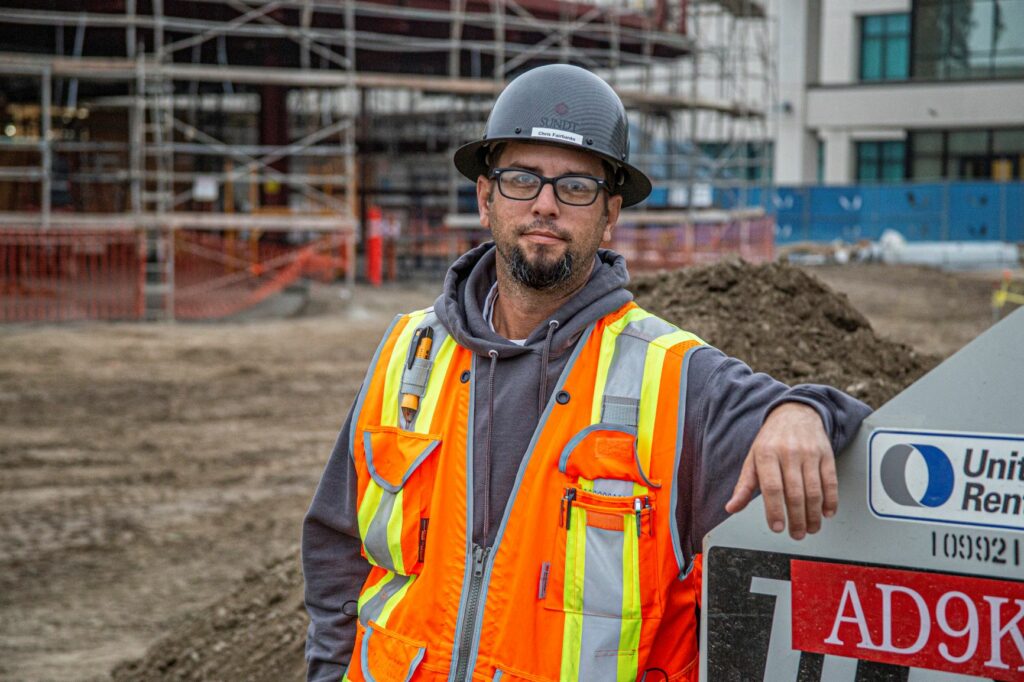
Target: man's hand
[(792, 463)]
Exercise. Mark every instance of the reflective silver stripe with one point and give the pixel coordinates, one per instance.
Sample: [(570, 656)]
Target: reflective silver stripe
[(497, 676), (570, 363), (613, 486), (376, 540), (621, 400), (368, 447), (684, 566), (563, 459), (361, 398), (375, 606), (602, 605)]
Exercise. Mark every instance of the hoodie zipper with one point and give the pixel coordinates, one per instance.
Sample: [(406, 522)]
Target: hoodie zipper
[(469, 617)]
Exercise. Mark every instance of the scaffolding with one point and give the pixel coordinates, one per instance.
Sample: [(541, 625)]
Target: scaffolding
[(297, 117)]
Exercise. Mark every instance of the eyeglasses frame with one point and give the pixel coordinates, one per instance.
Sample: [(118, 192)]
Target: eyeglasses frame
[(495, 174)]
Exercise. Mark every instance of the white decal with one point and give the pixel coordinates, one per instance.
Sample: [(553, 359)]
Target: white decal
[(561, 135)]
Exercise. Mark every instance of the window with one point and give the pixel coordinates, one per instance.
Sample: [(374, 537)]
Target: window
[(885, 47), (965, 39), (967, 154), (881, 161)]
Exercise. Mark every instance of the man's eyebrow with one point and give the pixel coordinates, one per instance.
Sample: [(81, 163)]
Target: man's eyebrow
[(536, 169)]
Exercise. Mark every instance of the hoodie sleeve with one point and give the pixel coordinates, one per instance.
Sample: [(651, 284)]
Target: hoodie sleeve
[(333, 568), (726, 404)]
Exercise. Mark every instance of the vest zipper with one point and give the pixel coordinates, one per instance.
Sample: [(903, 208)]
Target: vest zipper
[(469, 618)]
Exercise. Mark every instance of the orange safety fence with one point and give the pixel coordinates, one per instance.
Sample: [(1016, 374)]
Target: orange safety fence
[(215, 277), (675, 246), (63, 275)]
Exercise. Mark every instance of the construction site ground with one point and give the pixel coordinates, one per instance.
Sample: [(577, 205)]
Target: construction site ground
[(146, 468)]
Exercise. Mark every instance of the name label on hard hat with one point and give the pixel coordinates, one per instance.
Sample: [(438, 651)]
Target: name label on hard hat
[(560, 135), (957, 478)]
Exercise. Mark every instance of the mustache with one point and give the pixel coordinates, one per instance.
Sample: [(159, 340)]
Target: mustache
[(546, 226)]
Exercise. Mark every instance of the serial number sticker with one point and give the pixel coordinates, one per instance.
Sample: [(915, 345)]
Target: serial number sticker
[(981, 548)]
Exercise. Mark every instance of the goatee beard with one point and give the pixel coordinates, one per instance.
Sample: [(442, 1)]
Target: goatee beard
[(542, 275)]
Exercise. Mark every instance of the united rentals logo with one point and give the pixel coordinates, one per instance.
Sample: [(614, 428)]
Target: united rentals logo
[(964, 479)]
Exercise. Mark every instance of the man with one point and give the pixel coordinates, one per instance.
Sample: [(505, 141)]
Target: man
[(521, 489)]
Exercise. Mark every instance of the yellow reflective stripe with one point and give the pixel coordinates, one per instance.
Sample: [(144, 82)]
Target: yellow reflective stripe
[(572, 594), (395, 523), (653, 363), (393, 377), (604, 361), (442, 358), (382, 620), (371, 500), (629, 637), (370, 593)]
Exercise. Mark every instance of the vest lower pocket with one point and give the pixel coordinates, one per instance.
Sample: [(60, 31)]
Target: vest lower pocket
[(394, 507), (605, 560), (388, 657)]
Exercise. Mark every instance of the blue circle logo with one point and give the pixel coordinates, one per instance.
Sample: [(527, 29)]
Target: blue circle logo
[(894, 475)]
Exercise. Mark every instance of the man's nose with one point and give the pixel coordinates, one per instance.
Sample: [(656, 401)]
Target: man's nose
[(546, 203)]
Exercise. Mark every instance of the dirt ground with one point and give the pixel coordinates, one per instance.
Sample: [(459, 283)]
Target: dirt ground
[(147, 468)]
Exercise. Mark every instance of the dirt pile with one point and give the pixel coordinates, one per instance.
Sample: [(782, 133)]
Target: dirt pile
[(257, 633), (775, 317), (785, 322)]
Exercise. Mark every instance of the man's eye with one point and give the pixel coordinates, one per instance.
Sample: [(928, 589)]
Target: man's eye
[(522, 179), (577, 185)]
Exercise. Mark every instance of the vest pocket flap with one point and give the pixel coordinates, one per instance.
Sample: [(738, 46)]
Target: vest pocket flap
[(392, 455), (387, 656), (604, 451)]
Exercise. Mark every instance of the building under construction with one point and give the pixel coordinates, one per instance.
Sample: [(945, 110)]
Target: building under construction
[(186, 158)]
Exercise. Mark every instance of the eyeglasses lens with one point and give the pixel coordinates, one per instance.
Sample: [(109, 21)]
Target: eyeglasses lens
[(577, 190)]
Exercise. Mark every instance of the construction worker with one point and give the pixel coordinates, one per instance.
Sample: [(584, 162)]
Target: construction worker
[(522, 486)]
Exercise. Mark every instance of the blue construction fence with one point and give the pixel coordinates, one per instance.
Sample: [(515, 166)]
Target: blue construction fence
[(951, 211)]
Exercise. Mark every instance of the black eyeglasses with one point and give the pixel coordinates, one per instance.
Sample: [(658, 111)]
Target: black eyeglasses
[(571, 189)]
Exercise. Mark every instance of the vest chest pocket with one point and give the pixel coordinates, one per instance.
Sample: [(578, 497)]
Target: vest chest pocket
[(394, 508), (605, 558)]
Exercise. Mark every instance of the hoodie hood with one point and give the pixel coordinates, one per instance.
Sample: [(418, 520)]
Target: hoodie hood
[(460, 305)]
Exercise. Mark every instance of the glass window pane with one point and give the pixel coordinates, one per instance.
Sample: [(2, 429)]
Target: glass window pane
[(867, 170), (968, 142), (893, 152), (867, 150), (1008, 141), (893, 172), (926, 142), (871, 59), (927, 169), (898, 24), (1009, 38), (897, 59), (874, 25)]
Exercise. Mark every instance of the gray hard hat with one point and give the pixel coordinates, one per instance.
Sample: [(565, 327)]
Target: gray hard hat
[(564, 105)]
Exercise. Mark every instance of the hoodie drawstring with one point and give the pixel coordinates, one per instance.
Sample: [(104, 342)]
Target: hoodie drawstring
[(487, 450), (545, 355)]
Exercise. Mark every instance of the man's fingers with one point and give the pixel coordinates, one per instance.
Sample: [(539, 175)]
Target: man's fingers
[(813, 494), (829, 485), (745, 487), (772, 490), (796, 508)]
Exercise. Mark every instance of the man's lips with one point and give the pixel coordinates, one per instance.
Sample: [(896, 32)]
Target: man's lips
[(542, 237)]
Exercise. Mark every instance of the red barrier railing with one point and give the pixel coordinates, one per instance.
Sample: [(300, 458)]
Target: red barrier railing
[(668, 247), (62, 275)]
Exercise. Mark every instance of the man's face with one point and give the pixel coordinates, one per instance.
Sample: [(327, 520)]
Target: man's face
[(543, 243)]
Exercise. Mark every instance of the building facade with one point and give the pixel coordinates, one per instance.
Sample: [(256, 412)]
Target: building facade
[(884, 91)]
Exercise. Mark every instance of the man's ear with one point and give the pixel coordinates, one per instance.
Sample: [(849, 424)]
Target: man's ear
[(483, 197), (612, 217)]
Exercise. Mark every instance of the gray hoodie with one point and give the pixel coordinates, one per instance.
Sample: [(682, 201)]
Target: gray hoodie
[(726, 403)]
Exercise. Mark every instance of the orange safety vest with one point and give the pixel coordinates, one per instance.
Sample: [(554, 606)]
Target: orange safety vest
[(586, 579)]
